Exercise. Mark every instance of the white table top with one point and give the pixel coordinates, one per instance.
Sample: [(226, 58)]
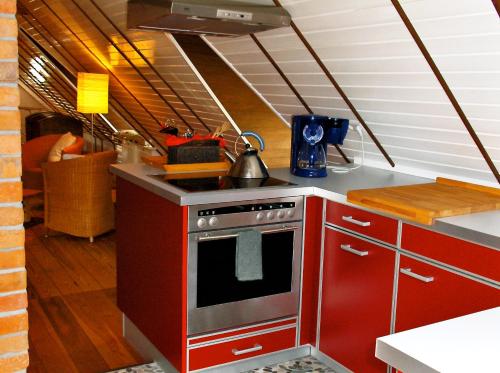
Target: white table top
[(466, 344)]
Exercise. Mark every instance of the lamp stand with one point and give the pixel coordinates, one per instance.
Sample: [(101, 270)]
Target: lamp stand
[(92, 131)]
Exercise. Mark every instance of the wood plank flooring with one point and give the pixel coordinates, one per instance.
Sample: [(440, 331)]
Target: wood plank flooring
[(74, 323)]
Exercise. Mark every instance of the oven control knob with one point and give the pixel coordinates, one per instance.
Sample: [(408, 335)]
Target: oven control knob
[(201, 223), (270, 215), (213, 221), (290, 213), (260, 216), (281, 214)]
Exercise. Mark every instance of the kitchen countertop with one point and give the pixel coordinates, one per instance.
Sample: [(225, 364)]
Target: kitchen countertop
[(466, 344), (482, 228)]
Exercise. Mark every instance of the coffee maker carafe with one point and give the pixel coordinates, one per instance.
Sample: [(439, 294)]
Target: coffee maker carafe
[(311, 135)]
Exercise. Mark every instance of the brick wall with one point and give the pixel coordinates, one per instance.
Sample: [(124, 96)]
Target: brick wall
[(13, 300)]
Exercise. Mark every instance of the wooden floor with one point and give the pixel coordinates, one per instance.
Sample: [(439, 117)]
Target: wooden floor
[(74, 323)]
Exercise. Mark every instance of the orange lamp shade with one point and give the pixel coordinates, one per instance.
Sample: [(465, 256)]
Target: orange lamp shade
[(92, 93)]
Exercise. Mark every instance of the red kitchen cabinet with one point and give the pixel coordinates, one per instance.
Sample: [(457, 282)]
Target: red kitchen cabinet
[(356, 301), (229, 351), (151, 245), (429, 294), (465, 255), (363, 222)]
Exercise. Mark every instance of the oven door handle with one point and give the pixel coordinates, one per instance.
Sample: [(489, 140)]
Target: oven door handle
[(234, 235), (221, 237), (282, 229)]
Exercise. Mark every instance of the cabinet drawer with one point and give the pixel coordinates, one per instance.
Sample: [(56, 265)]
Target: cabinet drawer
[(429, 294), (453, 251), (242, 348), (364, 222)]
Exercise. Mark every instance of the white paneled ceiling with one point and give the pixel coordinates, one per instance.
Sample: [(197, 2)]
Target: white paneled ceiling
[(373, 57)]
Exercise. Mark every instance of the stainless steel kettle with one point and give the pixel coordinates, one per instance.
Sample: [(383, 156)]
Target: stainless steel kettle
[(248, 165)]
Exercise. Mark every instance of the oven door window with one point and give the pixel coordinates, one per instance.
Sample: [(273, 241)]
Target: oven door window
[(216, 279)]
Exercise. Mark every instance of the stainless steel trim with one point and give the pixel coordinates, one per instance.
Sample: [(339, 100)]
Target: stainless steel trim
[(227, 315), (395, 292), (400, 234), (350, 219), (408, 272), (299, 318), (255, 348), (350, 249)]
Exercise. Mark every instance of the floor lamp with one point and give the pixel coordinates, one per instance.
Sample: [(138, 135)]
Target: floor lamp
[(92, 96)]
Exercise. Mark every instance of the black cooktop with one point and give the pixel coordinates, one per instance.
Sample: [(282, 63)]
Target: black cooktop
[(220, 183)]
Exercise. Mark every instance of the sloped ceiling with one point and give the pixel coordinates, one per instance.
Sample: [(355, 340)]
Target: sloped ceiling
[(370, 52), (150, 82)]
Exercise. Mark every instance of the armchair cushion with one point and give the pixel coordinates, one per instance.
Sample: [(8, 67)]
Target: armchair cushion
[(35, 152), (55, 153)]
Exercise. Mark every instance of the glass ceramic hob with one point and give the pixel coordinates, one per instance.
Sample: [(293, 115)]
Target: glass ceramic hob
[(220, 183)]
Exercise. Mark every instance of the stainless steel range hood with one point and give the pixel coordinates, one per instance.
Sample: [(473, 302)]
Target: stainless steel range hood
[(210, 17)]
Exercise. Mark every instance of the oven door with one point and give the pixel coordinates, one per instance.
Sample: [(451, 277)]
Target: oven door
[(217, 300)]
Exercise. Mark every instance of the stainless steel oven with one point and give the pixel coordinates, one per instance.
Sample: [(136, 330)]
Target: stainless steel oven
[(216, 298)]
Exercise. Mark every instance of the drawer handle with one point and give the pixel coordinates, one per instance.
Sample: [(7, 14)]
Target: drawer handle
[(247, 351), (353, 251), (408, 272), (350, 219)]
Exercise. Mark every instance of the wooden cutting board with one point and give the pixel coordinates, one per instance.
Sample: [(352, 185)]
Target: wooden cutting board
[(423, 203)]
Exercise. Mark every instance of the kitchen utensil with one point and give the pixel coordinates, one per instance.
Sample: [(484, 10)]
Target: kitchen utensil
[(221, 129), (311, 135), (423, 203), (248, 165)]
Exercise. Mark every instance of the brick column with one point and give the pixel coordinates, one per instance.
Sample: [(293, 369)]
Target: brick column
[(13, 300)]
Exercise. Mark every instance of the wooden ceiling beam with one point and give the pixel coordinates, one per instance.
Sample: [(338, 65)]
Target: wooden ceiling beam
[(446, 88), (339, 89), (133, 66), (63, 85), (150, 65), (160, 145), (82, 68), (496, 4), (290, 85)]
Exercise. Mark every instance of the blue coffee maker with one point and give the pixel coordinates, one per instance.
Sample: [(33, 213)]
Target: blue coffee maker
[(311, 135)]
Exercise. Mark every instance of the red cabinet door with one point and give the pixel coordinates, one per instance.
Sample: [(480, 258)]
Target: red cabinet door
[(356, 301), (428, 294)]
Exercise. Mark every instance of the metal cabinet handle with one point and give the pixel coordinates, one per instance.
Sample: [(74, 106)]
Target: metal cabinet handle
[(353, 251), (408, 272), (247, 351), (350, 219)]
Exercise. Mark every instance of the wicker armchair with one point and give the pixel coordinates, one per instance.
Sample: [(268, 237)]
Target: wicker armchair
[(35, 152), (78, 195)]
